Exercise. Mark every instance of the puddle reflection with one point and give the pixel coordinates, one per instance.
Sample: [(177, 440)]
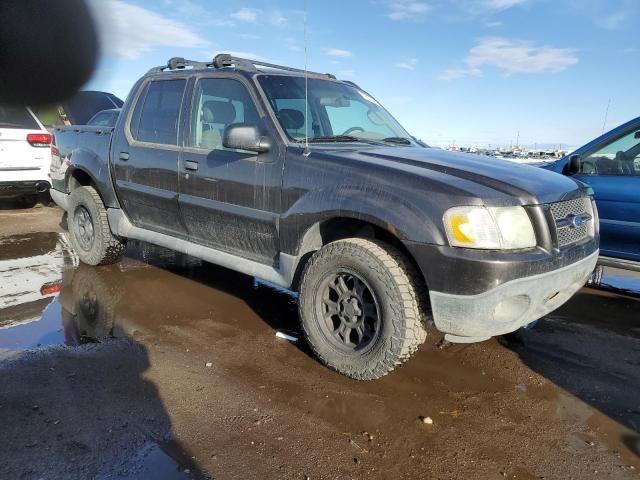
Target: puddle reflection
[(47, 298)]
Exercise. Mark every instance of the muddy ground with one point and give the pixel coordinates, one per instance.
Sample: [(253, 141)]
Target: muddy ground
[(165, 367)]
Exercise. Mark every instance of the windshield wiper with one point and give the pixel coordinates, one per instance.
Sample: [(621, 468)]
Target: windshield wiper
[(330, 138), (398, 140)]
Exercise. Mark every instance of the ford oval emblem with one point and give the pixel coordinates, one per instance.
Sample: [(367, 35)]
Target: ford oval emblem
[(577, 221)]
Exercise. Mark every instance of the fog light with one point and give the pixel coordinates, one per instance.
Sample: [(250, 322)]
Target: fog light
[(511, 309)]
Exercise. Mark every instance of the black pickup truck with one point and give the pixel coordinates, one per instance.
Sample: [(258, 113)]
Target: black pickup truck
[(307, 182)]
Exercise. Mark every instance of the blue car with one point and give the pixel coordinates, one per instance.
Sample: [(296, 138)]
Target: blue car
[(610, 164)]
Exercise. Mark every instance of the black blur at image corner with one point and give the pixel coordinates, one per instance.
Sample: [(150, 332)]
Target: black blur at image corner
[(49, 50)]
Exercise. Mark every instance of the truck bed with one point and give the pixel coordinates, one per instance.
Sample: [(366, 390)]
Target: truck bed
[(78, 139)]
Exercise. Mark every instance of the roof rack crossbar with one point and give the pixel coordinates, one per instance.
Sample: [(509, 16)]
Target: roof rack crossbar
[(225, 60), (179, 63)]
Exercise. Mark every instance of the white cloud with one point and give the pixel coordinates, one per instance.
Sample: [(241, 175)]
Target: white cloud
[(338, 52), (406, 9), (512, 56), (408, 64), (249, 15), (607, 14), (486, 7), (248, 36), (276, 18), (612, 20), (454, 73), (502, 4), (190, 10), (493, 24), (128, 31)]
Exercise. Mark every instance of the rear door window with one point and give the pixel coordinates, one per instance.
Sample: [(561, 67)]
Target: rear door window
[(17, 117), (160, 112)]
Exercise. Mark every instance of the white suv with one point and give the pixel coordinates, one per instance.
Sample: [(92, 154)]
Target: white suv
[(25, 154)]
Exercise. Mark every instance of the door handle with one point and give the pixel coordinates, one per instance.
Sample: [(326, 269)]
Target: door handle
[(124, 156), (191, 165)]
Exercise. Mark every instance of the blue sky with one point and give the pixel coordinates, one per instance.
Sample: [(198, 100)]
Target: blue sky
[(476, 72)]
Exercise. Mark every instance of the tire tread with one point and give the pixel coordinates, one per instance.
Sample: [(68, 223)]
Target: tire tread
[(112, 247), (385, 260)]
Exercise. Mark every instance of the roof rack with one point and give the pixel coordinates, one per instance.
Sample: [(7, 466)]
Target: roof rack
[(179, 63), (224, 60)]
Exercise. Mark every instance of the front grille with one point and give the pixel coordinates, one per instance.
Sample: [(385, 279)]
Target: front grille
[(567, 215)]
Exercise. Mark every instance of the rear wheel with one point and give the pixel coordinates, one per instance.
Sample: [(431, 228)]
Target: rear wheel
[(89, 229), (360, 308)]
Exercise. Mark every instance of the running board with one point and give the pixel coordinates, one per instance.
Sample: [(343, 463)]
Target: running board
[(619, 263), (121, 226)]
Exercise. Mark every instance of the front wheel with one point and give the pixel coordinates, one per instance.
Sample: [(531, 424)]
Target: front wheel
[(360, 307), (89, 229)]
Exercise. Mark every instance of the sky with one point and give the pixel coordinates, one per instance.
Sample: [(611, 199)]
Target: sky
[(552, 73)]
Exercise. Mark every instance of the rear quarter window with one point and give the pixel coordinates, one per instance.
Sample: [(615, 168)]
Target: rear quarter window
[(17, 117)]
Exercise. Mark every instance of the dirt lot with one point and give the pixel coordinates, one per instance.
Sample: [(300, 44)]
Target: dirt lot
[(165, 367)]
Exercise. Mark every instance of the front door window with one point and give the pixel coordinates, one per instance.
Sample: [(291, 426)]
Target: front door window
[(621, 157)]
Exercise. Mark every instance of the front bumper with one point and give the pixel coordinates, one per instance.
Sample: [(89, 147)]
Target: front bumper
[(473, 318), (478, 294)]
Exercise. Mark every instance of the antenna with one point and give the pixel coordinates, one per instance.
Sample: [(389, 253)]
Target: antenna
[(306, 85), (606, 114)]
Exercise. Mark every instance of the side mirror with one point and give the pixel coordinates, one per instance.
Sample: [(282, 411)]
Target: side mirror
[(245, 136), (573, 166)]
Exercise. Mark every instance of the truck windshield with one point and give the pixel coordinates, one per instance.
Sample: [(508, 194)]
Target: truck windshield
[(337, 112)]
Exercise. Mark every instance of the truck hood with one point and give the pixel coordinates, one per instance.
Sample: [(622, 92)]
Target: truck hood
[(508, 180)]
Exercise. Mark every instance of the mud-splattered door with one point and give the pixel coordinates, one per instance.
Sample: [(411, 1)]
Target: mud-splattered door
[(229, 198)]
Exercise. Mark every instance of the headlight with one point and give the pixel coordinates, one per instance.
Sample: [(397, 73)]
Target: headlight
[(503, 228)]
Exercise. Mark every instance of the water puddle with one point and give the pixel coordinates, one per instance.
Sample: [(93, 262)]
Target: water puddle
[(31, 276), (604, 432), (41, 329), (159, 462), (47, 297), (623, 282)]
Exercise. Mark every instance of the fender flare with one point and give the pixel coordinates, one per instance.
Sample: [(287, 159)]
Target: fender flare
[(98, 171), (300, 225)]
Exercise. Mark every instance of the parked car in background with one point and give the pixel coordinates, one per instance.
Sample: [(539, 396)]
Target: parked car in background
[(79, 109), (321, 191), (25, 155), (105, 118), (610, 164)]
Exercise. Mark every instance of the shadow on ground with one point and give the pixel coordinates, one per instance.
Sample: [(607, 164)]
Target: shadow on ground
[(79, 405), (590, 347), (26, 202)]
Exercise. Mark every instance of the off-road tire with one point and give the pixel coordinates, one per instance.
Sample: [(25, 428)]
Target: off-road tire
[(393, 280), (106, 248)]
